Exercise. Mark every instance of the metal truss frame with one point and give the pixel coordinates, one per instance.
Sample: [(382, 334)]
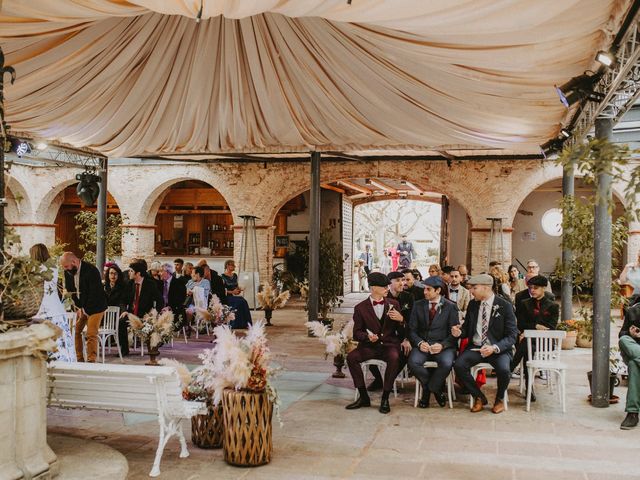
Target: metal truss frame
[(66, 157)]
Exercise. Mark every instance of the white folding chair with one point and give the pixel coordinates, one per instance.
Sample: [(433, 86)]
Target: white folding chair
[(70, 317), (199, 301), (546, 357), (108, 329), (382, 366), (474, 372), (450, 390)]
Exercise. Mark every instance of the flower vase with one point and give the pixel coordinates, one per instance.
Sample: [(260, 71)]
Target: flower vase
[(153, 355), (338, 362), (267, 316), (569, 342)]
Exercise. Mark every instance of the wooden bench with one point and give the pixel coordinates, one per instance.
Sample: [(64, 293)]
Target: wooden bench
[(125, 388)]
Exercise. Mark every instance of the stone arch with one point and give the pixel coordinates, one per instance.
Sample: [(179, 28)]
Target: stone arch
[(19, 209)]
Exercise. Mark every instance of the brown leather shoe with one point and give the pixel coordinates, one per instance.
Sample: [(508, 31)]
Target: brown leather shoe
[(498, 407), (478, 405)]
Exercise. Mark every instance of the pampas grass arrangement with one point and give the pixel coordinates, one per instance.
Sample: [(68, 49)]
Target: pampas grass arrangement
[(269, 298), (153, 329), (217, 313), (335, 343)]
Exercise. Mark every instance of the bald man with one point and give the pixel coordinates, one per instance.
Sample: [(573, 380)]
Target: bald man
[(84, 282)]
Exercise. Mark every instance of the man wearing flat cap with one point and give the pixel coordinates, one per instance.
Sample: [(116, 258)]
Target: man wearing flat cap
[(490, 327), (539, 312), (378, 328), (430, 335)]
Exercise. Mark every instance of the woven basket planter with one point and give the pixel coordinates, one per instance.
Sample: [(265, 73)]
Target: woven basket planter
[(26, 306), (207, 431), (247, 428)]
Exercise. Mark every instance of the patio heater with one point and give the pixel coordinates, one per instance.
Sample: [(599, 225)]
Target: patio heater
[(249, 272)]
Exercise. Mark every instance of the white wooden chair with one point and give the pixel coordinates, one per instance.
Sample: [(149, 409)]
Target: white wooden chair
[(70, 317), (125, 388), (474, 372), (546, 357), (200, 301), (451, 394), (108, 329), (382, 366)]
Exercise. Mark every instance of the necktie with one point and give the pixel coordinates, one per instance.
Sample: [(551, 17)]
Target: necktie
[(485, 322), (432, 312), (381, 302), (165, 293), (136, 300)]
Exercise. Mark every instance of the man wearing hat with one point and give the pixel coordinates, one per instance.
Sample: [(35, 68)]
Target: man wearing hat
[(378, 328), (539, 312), (490, 327), (430, 335)]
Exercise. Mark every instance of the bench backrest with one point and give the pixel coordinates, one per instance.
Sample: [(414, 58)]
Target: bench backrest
[(120, 388)]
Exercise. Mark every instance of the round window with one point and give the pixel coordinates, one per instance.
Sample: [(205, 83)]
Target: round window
[(552, 222)]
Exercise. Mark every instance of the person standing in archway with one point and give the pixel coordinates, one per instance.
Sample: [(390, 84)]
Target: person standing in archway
[(367, 258), (406, 252)]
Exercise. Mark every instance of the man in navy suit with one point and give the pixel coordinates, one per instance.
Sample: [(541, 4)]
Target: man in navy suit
[(490, 327), (378, 328), (430, 335)]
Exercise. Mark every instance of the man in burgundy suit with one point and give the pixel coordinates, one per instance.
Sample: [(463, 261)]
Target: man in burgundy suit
[(379, 330)]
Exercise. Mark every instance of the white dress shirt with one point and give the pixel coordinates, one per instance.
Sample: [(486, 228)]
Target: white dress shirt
[(378, 309)]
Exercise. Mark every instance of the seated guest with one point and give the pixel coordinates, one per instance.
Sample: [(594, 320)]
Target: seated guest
[(174, 294), (464, 273), (416, 292), (434, 270), (115, 288), (416, 274), (178, 264), (378, 329), (630, 350), (515, 284), (215, 281), (458, 294), (198, 281), (446, 274), (430, 335), (537, 313), (526, 293), (187, 272), (232, 292), (490, 327), (143, 297)]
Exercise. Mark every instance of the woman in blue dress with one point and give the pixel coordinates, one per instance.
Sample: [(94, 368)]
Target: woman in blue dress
[(239, 304)]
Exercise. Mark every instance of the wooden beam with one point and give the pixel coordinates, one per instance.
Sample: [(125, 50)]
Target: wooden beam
[(383, 186), (355, 186), (326, 186)]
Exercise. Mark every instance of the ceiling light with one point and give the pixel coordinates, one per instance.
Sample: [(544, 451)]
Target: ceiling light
[(40, 146), (606, 58), (564, 132)]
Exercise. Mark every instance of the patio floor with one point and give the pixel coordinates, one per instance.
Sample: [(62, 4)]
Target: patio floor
[(320, 439)]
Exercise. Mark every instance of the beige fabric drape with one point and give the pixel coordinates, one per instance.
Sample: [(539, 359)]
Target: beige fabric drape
[(142, 77)]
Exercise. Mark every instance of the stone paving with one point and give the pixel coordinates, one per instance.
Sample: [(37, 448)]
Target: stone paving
[(320, 439)]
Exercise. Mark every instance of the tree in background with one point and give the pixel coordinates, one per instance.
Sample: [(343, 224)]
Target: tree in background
[(87, 227)]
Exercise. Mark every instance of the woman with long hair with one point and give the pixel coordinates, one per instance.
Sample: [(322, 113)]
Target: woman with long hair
[(51, 308), (515, 283)]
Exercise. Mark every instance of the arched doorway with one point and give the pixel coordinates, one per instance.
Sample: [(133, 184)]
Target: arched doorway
[(68, 228), (534, 227), (193, 219)]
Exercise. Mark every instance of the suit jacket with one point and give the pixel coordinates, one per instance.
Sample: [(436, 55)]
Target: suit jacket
[(524, 295), (389, 331), (503, 331), (417, 293), (91, 291), (218, 287), (150, 297), (177, 294), (406, 247), (405, 299), (547, 316), (631, 317), (440, 329), (368, 262), (464, 297)]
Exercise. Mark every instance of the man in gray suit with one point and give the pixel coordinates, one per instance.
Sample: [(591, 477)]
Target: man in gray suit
[(430, 325), (368, 259), (406, 252)]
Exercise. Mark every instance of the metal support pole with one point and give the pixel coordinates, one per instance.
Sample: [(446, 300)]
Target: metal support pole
[(101, 213), (568, 190), (602, 282), (3, 140), (314, 238)]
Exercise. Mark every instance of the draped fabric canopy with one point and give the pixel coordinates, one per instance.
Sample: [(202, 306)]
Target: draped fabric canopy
[(142, 77)]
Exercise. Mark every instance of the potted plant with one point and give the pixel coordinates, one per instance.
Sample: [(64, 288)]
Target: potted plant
[(338, 345), (237, 372), (153, 330), (617, 367), (571, 327), (270, 299)]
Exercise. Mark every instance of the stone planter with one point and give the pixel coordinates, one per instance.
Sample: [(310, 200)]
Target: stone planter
[(569, 342), (24, 452), (583, 341)]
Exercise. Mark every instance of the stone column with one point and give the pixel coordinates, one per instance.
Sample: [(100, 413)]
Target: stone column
[(480, 247), (32, 233), (137, 242), (265, 239), (24, 453), (633, 242)]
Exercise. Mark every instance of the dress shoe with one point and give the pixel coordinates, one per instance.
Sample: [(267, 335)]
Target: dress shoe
[(498, 407), (479, 404), (375, 385), (359, 403), (630, 421), (441, 398), (384, 406)]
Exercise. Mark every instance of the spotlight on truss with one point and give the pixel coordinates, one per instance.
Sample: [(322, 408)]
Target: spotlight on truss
[(605, 58), (580, 88), (88, 189)]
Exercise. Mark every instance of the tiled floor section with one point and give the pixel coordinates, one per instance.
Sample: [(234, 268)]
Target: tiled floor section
[(320, 439)]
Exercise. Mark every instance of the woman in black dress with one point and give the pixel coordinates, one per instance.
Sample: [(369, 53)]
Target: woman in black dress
[(118, 296), (242, 312)]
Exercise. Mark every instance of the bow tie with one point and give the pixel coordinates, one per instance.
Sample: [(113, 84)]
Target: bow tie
[(453, 291), (381, 302)]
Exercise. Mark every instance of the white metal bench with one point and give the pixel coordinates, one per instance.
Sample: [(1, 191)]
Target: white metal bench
[(125, 388)]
